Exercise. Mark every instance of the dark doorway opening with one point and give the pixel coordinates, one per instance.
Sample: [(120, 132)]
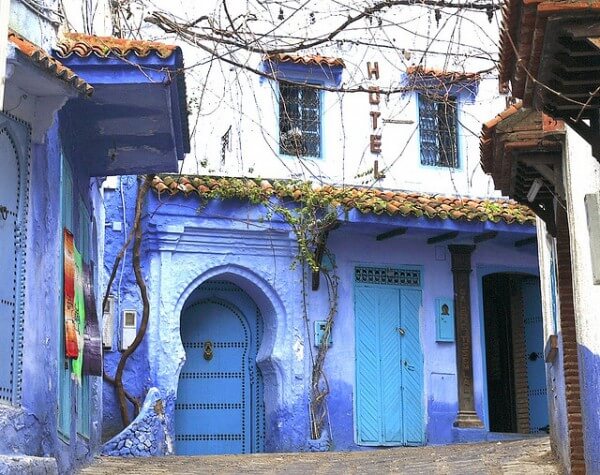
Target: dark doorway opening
[(516, 383)]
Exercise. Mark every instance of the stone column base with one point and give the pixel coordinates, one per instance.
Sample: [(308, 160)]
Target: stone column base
[(468, 420)]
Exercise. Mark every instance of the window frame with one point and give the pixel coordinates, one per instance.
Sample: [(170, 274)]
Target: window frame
[(320, 96), (458, 162)]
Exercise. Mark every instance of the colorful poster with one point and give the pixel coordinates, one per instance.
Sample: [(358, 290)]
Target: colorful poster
[(71, 337), (92, 349), (79, 314)]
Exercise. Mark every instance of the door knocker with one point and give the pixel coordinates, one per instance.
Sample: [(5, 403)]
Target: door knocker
[(208, 350), (3, 212)]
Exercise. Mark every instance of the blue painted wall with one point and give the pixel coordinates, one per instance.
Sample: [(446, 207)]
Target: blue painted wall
[(589, 371), (188, 242), (32, 428), (126, 294)]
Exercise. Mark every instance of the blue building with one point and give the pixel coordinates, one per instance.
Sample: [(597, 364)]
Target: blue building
[(67, 123), (437, 309)]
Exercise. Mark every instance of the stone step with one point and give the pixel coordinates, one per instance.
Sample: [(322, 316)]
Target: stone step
[(25, 464)]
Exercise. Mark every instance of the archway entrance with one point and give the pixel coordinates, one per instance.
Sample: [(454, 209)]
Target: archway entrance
[(514, 342), (219, 407)]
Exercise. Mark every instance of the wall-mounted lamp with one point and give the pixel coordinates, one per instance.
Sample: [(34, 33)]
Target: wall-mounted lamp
[(534, 189)]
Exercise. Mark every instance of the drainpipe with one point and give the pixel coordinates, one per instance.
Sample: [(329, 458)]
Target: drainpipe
[(4, 13)]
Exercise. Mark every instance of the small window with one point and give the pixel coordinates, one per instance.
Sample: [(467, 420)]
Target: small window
[(299, 121), (437, 126)]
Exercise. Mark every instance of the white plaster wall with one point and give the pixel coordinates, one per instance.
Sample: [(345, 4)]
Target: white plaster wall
[(39, 29), (582, 176), (555, 380), (221, 96)]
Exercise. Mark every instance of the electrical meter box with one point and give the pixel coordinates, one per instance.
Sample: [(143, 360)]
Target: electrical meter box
[(320, 326), (129, 328)]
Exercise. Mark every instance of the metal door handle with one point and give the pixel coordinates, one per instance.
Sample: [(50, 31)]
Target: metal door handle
[(3, 212), (208, 350), (401, 330)]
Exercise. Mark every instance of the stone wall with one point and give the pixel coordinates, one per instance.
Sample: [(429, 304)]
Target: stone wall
[(146, 435)]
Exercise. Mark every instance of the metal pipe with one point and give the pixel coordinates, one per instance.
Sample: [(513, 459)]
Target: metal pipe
[(4, 14)]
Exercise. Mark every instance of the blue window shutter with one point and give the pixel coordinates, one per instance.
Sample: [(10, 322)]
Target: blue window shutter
[(444, 318)]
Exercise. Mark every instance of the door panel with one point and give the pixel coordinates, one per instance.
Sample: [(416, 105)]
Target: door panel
[(367, 366), (389, 366), (9, 182), (534, 352), (219, 404), (412, 370), (14, 156)]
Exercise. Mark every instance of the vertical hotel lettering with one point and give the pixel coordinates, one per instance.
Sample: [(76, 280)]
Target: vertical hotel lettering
[(374, 101)]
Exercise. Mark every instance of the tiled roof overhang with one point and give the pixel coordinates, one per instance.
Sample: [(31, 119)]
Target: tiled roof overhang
[(443, 83), (550, 55), (137, 121), (48, 64), (519, 146), (306, 60), (84, 45), (442, 75), (366, 200)]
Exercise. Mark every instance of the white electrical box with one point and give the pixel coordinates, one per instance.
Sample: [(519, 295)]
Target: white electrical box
[(592, 209), (129, 328), (108, 324)]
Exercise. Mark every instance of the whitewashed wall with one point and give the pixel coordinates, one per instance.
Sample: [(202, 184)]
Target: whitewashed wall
[(223, 96)]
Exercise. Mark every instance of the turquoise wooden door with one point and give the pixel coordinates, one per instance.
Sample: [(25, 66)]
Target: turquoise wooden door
[(219, 395), (14, 146), (534, 352), (389, 366)]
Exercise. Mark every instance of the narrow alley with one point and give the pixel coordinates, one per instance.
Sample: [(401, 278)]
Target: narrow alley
[(529, 456)]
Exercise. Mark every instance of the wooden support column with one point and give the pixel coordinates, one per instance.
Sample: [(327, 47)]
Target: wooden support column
[(461, 271)]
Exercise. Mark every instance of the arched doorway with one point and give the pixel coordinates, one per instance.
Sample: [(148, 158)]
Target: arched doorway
[(514, 353), (219, 407)]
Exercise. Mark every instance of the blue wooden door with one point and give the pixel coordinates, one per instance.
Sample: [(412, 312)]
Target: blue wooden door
[(389, 366), (534, 352), (14, 146), (217, 406)]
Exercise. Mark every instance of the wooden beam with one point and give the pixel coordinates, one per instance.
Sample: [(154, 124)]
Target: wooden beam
[(391, 234), (525, 242), (485, 236), (320, 251), (442, 237)]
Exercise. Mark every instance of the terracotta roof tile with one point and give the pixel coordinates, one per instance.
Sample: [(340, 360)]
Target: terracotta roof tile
[(47, 63), (516, 129), (310, 59), (103, 46), (444, 76), (522, 39), (365, 200)]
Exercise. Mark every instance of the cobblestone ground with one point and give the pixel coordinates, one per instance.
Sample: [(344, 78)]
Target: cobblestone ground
[(529, 456)]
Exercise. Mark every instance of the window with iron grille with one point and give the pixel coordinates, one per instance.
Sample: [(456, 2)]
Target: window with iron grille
[(299, 121), (437, 127)]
